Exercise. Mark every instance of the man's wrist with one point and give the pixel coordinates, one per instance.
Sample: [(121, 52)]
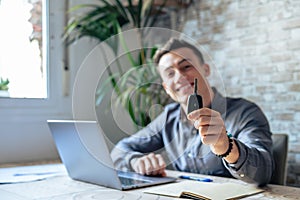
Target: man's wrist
[(229, 148), (222, 145)]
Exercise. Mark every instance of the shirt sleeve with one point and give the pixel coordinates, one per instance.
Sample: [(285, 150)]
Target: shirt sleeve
[(253, 138), (146, 140)]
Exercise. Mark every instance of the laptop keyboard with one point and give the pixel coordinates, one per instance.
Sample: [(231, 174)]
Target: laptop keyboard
[(130, 181)]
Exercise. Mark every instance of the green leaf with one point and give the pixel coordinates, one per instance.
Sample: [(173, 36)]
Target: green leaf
[(104, 89), (4, 84), (135, 91)]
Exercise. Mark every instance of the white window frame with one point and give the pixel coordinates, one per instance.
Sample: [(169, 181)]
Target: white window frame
[(54, 61), (24, 133)]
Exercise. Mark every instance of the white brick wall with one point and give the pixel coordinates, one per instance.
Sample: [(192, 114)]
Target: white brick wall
[(255, 46)]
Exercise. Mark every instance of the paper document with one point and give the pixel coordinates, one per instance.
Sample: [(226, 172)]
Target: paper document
[(30, 173), (205, 190)]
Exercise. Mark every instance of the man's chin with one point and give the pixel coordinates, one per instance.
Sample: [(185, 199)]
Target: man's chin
[(185, 91), (182, 99)]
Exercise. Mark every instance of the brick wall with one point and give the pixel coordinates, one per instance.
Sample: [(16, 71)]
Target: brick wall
[(255, 48)]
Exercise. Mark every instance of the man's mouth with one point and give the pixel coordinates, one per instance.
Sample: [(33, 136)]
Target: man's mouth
[(184, 87)]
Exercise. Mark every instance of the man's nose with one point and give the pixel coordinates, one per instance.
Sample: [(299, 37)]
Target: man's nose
[(179, 76)]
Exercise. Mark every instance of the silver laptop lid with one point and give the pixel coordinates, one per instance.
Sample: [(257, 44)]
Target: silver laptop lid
[(84, 152)]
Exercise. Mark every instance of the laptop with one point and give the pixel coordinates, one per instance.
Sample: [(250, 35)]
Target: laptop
[(82, 148)]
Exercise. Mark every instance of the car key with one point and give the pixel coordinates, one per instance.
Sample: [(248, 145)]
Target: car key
[(194, 100)]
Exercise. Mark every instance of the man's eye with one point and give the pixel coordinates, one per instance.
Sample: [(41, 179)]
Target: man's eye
[(170, 74), (187, 67)]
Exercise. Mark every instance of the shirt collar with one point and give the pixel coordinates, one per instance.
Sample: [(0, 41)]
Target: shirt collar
[(183, 117), (219, 102)]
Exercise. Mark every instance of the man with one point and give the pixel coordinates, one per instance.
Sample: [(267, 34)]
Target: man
[(199, 141)]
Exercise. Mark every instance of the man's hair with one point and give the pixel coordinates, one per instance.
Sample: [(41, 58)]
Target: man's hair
[(175, 43)]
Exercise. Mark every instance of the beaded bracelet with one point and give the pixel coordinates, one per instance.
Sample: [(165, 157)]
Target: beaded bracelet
[(229, 148)]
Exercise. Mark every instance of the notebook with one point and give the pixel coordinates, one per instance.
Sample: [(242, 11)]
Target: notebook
[(205, 190), (82, 148)]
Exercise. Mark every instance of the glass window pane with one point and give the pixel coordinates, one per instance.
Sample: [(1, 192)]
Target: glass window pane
[(21, 48)]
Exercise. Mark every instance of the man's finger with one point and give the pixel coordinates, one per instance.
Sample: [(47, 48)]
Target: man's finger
[(148, 165), (155, 164), (202, 112), (140, 166), (161, 161), (162, 165)]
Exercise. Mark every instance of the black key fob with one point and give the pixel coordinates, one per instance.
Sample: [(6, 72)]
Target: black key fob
[(194, 100)]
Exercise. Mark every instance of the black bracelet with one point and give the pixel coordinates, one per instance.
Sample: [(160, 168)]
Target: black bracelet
[(228, 150)]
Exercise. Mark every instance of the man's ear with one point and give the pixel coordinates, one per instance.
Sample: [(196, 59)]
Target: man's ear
[(206, 68)]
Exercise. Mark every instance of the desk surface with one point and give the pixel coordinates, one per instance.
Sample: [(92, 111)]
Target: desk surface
[(59, 186)]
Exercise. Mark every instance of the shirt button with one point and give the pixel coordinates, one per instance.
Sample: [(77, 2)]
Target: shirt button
[(242, 175), (190, 155), (194, 131)]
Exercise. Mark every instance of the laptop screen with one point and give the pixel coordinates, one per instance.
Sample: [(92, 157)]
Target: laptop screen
[(83, 150)]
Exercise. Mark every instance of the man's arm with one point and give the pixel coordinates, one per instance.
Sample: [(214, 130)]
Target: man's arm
[(253, 138), (250, 158), (137, 152)]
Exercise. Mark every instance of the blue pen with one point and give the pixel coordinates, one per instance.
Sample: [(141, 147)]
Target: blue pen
[(196, 178), (34, 174)]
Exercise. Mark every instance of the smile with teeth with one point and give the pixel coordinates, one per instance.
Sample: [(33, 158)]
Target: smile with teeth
[(184, 87)]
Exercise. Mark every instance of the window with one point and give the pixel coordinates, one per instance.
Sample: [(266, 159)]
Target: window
[(24, 133), (21, 48)]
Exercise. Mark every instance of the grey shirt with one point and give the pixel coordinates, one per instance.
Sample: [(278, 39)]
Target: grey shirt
[(170, 132)]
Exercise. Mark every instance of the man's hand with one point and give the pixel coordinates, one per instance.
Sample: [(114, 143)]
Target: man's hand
[(210, 125), (151, 164), (213, 132)]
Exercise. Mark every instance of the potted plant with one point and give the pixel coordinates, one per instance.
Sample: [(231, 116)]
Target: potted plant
[(107, 19), (4, 87)]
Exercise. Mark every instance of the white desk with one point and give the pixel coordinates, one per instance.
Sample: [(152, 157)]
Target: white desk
[(59, 186)]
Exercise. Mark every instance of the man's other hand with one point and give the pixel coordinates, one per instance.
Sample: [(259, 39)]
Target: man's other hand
[(151, 164)]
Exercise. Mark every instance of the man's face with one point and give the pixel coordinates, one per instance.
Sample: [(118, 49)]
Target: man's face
[(178, 70)]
